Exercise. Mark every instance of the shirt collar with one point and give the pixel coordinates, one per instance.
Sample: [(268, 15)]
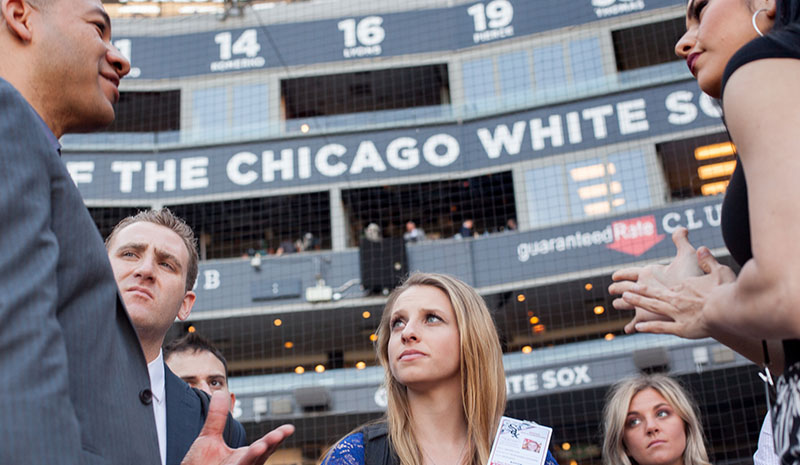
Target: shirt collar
[(156, 371)]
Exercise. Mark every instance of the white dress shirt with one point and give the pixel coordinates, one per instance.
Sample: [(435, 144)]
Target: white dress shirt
[(156, 370), (765, 454)]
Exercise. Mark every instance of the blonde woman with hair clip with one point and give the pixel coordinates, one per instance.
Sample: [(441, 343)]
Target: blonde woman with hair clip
[(445, 383), (652, 420)]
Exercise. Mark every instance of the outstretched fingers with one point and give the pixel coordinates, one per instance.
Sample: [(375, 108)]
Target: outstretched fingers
[(268, 443), (650, 300), (627, 274), (217, 415), (680, 237), (658, 327)]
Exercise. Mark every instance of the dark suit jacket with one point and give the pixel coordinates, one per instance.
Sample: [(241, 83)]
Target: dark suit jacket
[(186, 414), (75, 379)]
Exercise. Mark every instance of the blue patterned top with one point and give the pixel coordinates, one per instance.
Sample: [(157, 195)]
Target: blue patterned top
[(350, 451)]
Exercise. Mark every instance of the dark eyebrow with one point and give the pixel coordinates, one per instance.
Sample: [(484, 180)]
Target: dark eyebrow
[(691, 10), (160, 254), (138, 247), (106, 18), (164, 255)]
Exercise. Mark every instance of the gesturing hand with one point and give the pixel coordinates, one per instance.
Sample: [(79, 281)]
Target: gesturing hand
[(681, 305), (683, 266), (210, 449)]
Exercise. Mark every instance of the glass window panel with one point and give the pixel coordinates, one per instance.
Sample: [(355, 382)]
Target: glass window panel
[(586, 59), (209, 109), (478, 80), (547, 203), (250, 108), (514, 71), (548, 66)]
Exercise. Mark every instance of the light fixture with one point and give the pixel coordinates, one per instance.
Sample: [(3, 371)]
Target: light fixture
[(609, 337), (521, 298), (527, 349), (191, 329), (588, 286), (361, 365), (277, 322), (538, 328), (304, 128), (288, 344), (373, 337), (723, 149), (597, 208), (534, 320), (366, 315), (299, 370), (566, 446), (319, 368), (716, 170), (585, 173), (593, 191), (714, 188), (599, 310)]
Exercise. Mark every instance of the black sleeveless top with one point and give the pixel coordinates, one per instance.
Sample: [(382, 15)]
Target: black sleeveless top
[(735, 216)]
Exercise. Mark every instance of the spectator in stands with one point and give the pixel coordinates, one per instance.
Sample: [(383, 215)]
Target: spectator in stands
[(444, 381), (198, 363), (307, 243), (413, 233), (695, 296), (652, 420), (511, 224), (373, 233), (154, 258), (286, 247), (466, 230)]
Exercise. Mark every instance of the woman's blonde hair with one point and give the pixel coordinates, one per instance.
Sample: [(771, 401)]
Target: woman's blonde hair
[(483, 386), (616, 411)]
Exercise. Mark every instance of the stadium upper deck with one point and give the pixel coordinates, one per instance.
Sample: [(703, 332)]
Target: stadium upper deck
[(325, 116)]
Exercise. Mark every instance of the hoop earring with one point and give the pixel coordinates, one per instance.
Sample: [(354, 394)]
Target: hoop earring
[(755, 26)]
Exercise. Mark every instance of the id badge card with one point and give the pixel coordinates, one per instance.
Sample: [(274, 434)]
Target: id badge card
[(520, 442)]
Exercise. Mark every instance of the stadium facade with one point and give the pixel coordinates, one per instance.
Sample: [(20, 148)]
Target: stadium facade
[(291, 127)]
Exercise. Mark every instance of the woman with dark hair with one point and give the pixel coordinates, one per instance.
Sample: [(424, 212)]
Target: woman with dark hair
[(747, 53), (445, 384)]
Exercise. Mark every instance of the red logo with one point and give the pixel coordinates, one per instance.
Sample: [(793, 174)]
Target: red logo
[(635, 236)]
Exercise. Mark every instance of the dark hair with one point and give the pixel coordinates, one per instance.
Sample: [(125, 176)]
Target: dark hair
[(193, 342), (166, 218), (787, 23)]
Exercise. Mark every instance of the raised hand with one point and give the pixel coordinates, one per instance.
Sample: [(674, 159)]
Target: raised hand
[(683, 266), (210, 449), (681, 306)]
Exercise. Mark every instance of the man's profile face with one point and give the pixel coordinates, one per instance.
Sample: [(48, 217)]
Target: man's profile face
[(202, 370), (150, 265), (80, 68)]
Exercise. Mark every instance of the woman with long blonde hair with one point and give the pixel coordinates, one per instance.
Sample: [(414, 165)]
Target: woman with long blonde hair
[(445, 383), (652, 420)]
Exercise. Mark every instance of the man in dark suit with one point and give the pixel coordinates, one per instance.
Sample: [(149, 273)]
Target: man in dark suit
[(154, 258), (199, 363), (78, 386)]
